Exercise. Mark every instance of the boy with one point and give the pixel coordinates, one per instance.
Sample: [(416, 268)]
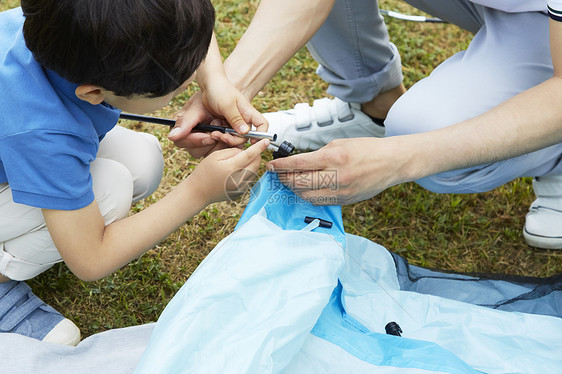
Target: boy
[(68, 174)]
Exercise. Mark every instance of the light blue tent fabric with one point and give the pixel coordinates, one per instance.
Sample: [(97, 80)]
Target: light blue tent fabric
[(283, 296), (295, 301), (116, 351)]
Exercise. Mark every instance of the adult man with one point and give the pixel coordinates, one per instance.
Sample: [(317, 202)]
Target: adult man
[(497, 100)]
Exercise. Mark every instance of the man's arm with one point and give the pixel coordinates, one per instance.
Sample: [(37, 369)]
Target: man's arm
[(220, 98), (525, 123), (366, 166), (277, 31)]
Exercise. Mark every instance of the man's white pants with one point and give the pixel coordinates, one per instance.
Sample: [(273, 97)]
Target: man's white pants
[(128, 168), (508, 54)]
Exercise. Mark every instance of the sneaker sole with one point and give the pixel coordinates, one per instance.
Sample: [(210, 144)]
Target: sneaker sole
[(64, 333), (544, 242)]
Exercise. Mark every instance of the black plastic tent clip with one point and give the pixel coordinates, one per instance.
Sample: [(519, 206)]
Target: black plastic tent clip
[(283, 150), (392, 328), (323, 223)]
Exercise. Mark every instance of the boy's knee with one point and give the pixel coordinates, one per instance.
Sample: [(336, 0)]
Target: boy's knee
[(147, 166), (113, 189), (28, 255), (140, 153)]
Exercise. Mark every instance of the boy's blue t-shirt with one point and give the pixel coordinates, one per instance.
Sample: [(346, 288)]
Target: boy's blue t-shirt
[(48, 136)]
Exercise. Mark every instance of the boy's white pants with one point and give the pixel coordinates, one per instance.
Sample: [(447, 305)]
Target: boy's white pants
[(128, 168)]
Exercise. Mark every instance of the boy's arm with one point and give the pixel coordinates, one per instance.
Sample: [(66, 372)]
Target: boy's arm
[(92, 250)]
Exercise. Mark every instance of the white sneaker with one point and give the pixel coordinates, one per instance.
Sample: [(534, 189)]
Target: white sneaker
[(22, 312), (64, 333), (310, 128), (543, 224)]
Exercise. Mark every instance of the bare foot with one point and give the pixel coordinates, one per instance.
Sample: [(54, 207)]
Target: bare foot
[(380, 105)]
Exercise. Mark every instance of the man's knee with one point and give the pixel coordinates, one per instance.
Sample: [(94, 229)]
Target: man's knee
[(411, 114)]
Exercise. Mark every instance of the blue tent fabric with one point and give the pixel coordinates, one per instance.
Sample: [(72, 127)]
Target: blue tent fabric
[(280, 295), (250, 304), (336, 326), (288, 211)]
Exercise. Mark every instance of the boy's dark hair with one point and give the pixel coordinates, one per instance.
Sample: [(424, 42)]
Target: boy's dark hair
[(125, 46)]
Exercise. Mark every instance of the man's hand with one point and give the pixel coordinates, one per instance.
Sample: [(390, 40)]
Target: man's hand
[(343, 172), (220, 104)]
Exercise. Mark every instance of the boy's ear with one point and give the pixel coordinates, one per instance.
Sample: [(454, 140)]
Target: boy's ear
[(90, 93)]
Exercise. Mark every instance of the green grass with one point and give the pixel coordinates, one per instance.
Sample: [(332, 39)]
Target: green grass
[(467, 233)]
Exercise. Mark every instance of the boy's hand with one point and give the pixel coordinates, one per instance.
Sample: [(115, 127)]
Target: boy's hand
[(219, 103), (227, 173)]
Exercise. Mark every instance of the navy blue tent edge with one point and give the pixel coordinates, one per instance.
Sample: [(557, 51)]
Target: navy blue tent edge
[(498, 291)]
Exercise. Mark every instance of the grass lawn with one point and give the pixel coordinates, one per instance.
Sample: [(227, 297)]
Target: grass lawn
[(464, 233)]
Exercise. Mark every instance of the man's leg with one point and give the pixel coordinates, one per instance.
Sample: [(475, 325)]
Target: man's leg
[(357, 58), (355, 54), (364, 72), (361, 65), (507, 56)]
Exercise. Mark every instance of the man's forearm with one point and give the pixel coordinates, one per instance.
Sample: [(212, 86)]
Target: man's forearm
[(525, 123), (212, 66), (277, 31)]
